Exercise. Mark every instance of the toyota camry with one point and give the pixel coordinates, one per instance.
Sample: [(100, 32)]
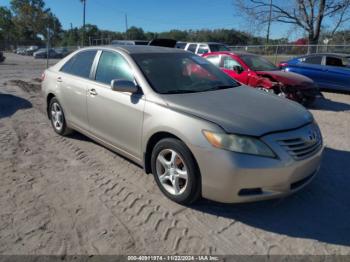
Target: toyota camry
[(198, 131)]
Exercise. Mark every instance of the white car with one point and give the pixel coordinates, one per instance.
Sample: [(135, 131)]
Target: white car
[(203, 48)]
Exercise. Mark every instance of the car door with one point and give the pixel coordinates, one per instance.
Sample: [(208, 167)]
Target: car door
[(338, 74), (73, 82), (234, 69), (115, 117), (312, 67)]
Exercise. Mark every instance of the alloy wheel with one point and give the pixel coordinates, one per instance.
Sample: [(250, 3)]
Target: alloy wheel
[(172, 171), (57, 116)]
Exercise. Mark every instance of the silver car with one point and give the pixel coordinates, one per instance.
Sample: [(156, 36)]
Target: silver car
[(200, 133)]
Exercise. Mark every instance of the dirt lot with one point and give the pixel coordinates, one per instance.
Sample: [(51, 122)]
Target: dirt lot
[(71, 196)]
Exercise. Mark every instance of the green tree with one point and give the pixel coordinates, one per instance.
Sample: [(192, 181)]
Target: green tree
[(31, 19), (6, 27), (135, 33)]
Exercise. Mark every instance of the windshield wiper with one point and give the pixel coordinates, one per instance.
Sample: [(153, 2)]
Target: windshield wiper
[(219, 88), (180, 91)]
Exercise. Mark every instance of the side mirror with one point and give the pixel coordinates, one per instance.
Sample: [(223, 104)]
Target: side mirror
[(238, 69), (124, 86)]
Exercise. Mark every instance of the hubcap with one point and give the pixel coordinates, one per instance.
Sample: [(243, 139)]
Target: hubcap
[(172, 172), (57, 116)]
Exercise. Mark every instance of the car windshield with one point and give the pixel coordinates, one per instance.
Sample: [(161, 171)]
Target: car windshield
[(218, 48), (176, 73), (258, 63)]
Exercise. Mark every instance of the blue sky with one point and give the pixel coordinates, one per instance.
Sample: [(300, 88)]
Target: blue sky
[(155, 15)]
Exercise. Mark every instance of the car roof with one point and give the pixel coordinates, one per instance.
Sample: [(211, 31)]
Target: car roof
[(206, 43), (329, 54), (141, 49), (236, 53)]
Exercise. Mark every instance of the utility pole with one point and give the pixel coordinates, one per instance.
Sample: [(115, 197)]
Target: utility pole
[(269, 24), (126, 25), (84, 13), (47, 47)]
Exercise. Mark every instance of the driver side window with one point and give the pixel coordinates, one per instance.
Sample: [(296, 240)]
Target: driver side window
[(112, 66), (229, 63)]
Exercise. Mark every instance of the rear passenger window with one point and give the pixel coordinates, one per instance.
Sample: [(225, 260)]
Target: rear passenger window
[(192, 48), (214, 59), (80, 64), (316, 60), (113, 66)]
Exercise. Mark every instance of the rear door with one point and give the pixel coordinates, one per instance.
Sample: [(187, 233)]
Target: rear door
[(115, 117), (73, 81), (338, 74), (312, 67)]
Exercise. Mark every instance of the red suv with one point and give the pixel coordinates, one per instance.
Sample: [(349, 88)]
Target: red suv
[(256, 71)]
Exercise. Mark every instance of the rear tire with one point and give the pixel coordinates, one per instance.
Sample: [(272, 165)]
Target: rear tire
[(57, 118), (175, 171)]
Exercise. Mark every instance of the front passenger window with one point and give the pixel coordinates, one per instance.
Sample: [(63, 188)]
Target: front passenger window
[(334, 61), (112, 66)]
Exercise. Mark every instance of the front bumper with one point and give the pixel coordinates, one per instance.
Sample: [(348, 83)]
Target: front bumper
[(230, 177)]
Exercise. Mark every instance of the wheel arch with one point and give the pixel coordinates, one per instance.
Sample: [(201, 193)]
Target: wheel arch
[(48, 99), (153, 140)]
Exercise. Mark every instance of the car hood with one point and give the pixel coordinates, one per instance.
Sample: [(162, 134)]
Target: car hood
[(242, 110), (288, 78)]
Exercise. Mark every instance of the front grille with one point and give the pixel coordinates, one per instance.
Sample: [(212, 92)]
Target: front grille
[(303, 147)]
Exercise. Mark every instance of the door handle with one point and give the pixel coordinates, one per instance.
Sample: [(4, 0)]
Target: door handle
[(93, 92), (59, 79)]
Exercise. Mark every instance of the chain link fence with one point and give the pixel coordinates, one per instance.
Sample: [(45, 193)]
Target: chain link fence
[(278, 53), (275, 53)]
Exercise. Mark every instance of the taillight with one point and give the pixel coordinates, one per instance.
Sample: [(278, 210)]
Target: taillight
[(282, 64), (42, 76)]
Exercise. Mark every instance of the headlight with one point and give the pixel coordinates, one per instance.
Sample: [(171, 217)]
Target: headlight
[(238, 143)]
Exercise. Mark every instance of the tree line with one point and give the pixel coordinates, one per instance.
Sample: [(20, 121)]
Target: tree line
[(30, 22)]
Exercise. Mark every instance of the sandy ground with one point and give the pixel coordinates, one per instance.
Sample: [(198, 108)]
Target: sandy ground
[(71, 196)]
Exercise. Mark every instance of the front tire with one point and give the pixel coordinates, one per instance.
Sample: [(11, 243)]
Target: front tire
[(57, 118), (175, 171)]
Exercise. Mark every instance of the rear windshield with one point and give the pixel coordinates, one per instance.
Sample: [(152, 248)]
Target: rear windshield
[(174, 73)]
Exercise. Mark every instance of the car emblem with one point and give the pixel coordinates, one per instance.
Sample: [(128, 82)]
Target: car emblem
[(311, 137)]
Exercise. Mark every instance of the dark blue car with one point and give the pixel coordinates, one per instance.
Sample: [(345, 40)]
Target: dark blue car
[(329, 71)]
